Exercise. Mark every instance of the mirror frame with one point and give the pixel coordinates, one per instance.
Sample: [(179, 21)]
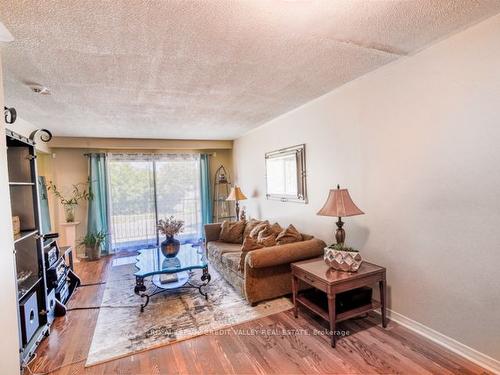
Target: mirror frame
[(300, 158)]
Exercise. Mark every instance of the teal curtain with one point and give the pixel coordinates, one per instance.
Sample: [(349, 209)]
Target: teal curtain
[(206, 193), (97, 220)]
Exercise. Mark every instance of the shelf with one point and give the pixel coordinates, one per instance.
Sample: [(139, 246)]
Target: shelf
[(21, 183), (24, 234), (320, 307), (26, 286)]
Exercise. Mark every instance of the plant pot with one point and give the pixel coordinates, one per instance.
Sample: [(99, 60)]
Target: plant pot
[(69, 212), (94, 252), (341, 260), (170, 247)]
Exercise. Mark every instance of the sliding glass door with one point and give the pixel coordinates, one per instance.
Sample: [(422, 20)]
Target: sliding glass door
[(145, 188)]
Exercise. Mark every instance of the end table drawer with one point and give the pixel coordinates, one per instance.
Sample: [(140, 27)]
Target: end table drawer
[(318, 284)]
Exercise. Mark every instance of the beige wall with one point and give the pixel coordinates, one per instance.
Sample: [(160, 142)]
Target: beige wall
[(417, 143), (68, 166), (9, 344)]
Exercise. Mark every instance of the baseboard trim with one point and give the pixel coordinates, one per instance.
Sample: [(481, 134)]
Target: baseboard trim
[(465, 351)]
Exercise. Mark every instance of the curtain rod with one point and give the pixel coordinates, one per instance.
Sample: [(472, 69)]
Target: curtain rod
[(149, 154)]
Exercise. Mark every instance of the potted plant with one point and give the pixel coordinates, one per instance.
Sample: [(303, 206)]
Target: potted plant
[(92, 243), (79, 193), (342, 258), (170, 227)]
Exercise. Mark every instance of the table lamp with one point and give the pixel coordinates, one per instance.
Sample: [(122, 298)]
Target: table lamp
[(339, 204), (236, 195)]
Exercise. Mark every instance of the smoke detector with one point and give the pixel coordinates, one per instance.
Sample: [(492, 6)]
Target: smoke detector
[(39, 89)]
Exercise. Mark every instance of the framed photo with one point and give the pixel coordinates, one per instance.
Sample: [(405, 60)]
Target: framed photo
[(286, 174)]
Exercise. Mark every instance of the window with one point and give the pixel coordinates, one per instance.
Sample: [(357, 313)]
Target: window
[(146, 188)]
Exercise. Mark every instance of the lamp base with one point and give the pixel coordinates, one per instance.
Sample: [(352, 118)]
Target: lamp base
[(340, 232)]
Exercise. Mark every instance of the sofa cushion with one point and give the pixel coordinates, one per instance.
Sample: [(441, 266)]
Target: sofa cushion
[(267, 237), (232, 232), (231, 261), (254, 233), (252, 223), (289, 235), (249, 243), (276, 228), (217, 248)]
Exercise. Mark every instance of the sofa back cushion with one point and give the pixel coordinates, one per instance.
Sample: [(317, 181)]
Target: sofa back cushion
[(254, 233), (252, 223), (267, 237), (288, 235), (249, 243), (232, 232)]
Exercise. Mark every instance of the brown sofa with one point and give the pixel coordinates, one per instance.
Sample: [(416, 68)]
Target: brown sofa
[(266, 272)]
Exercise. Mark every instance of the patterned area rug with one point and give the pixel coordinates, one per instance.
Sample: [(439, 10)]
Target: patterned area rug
[(122, 329)]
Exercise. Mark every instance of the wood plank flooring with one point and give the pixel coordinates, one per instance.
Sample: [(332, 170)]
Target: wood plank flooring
[(278, 344)]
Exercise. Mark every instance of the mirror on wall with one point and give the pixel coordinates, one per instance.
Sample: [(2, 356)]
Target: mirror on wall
[(286, 174)]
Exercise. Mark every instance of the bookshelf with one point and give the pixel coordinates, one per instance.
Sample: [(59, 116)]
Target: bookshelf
[(28, 246)]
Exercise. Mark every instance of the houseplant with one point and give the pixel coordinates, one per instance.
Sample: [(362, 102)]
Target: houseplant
[(342, 258), (92, 243), (70, 201), (170, 227)]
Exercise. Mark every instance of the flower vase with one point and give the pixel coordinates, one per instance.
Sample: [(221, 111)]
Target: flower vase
[(69, 212), (170, 247)]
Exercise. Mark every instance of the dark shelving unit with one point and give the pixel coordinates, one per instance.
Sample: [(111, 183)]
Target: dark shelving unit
[(28, 247)]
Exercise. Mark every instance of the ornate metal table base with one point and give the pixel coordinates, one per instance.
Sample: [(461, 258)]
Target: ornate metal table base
[(183, 283)]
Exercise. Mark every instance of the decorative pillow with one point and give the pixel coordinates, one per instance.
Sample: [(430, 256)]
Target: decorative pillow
[(289, 235), (254, 233), (249, 243), (276, 228), (250, 225), (232, 232), (267, 237)]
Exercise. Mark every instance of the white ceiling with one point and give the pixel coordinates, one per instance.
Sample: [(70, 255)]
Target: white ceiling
[(203, 69)]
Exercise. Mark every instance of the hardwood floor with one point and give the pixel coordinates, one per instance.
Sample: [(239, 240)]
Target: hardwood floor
[(368, 349)]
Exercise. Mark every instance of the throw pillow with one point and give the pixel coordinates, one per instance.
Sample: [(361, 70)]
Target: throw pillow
[(249, 243), (267, 237), (250, 225), (289, 235), (276, 228), (254, 233), (232, 232)]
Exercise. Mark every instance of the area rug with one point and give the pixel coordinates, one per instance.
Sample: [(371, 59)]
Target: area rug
[(122, 329)]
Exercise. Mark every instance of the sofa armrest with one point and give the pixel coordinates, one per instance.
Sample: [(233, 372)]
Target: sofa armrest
[(212, 232), (285, 254)]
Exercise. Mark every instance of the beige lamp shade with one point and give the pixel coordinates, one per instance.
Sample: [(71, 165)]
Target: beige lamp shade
[(339, 204), (236, 194)]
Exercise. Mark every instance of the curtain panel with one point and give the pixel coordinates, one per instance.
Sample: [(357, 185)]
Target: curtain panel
[(97, 218), (206, 191)]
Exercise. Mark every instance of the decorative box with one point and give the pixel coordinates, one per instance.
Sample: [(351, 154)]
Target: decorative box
[(348, 261), (16, 225)]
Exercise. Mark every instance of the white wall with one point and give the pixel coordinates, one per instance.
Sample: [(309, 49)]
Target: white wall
[(9, 344), (417, 143)]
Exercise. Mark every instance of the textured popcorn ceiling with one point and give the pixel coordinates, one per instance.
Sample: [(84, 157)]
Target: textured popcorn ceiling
[(208, 69)]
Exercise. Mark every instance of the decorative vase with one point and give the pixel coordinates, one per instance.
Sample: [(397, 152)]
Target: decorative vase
[(69, 212), (170, 247), (94, 252), (348, 261)]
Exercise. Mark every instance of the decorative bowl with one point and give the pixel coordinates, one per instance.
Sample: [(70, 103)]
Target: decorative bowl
[(348, 261)]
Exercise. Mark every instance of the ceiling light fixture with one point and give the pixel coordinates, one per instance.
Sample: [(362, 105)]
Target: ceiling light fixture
[(5, 35), (39, 89)]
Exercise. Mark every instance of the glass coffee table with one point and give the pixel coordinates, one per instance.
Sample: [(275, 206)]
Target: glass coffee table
[(179, 269)]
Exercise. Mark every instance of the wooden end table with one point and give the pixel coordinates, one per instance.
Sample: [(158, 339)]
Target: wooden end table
[(317, 274)]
